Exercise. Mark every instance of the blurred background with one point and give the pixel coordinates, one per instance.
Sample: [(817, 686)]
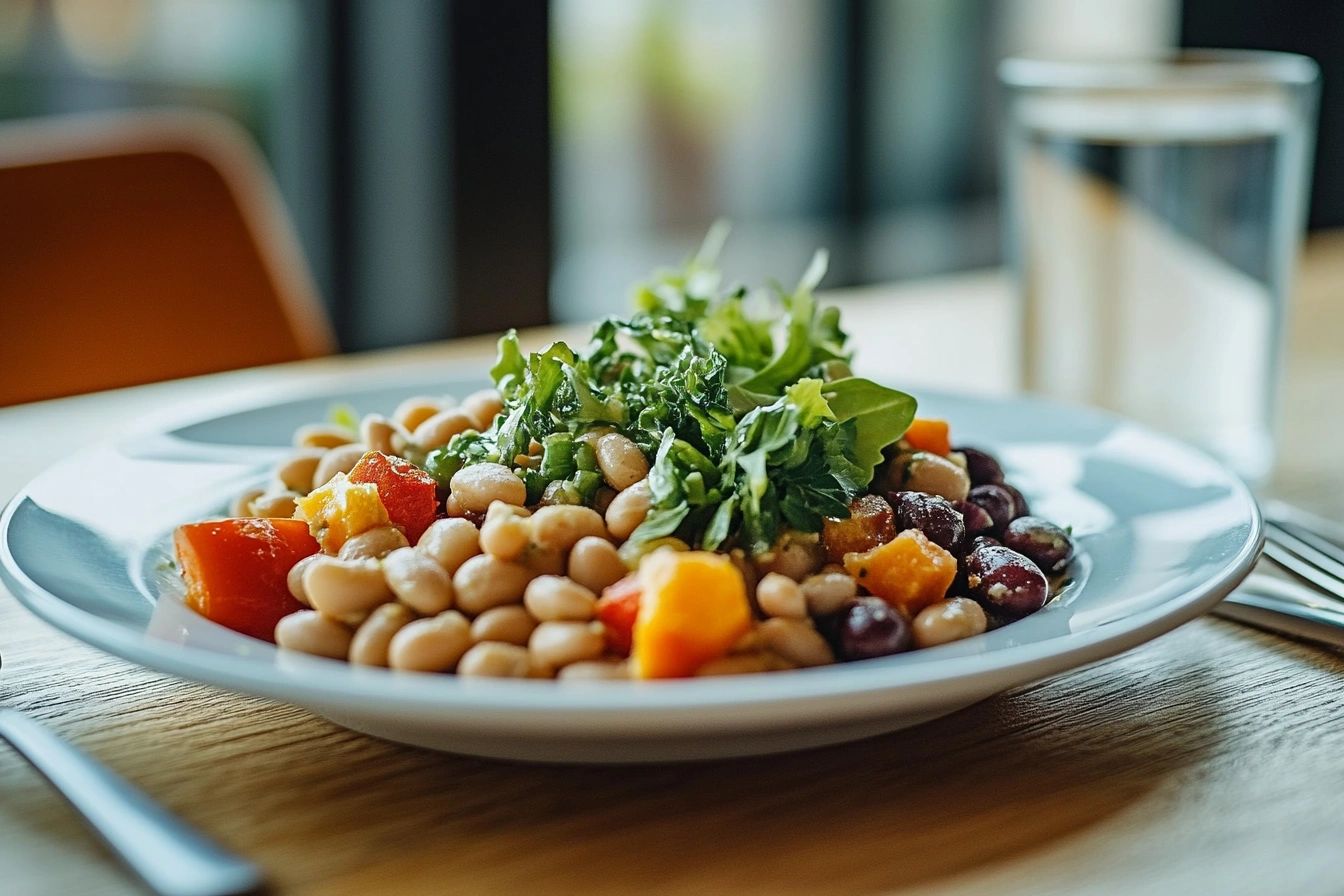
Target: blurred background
[(460, 168)]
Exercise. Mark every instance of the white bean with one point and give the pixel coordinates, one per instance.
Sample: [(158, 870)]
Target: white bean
[(750, 642), (322, 435), (557, 644), (379, 433), (430, 645), (796, 641), (337, 460), (474, 487), (628, 509), (540, 561), (371, 642), (295, 578), (827, 592), (296, 472), (595, 564), (779, 595), (340, 588), (450, 543), (560, 526), (793, 557), (498, 509), (242, 504), (947, 621), (506, 531), (274, 505), (308, 631), (485, 581), (510, 624), (595, 670), (602, 499), (482, 407), (936, 475), (439, 430), (491, 659), (620, 460), (558, 599), (376, 543), (416, 410), (418, 581)]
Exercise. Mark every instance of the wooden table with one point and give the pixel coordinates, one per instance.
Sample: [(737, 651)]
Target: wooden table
[(1208, 761)]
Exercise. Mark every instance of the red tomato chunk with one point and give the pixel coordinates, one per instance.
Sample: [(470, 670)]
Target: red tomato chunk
[(617, 609), (409, 493), (235, 570)]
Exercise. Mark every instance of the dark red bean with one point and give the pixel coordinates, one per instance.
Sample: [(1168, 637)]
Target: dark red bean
[(975, 518), (1022, 507), (932, 515), (995, 500), (1041, 541), (959, 586), (1005, 581), (981, 466), (981, 541), (867, 627)]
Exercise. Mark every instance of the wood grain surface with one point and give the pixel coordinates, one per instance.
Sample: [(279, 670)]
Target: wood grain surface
[(1208, 761)]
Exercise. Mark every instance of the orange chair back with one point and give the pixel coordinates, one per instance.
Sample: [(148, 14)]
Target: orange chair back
[(141, 248)]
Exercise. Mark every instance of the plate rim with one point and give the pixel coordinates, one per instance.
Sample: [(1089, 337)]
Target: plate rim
[(543, 702)]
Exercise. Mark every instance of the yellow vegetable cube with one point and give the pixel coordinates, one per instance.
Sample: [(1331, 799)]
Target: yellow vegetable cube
[(340, 510), (692, 608)]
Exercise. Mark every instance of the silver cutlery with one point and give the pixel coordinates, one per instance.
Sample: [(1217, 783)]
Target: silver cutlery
[(1311, 549), (1305, 545), (1285, 608), (169, 856)]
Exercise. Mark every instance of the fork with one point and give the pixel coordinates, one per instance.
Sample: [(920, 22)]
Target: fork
[(170, 857), (1305, 545), (1310, 549)]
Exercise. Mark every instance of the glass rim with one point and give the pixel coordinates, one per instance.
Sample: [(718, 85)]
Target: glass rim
[(1180, 69)]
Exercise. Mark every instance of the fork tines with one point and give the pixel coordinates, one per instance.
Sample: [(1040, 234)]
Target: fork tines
[(1305, 545)]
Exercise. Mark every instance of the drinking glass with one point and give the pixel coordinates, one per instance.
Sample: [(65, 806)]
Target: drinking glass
[(1155, 210)]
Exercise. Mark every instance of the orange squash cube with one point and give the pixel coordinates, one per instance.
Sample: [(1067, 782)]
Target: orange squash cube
[(693, 607), (871, 522), (929, 435), (909, 572)]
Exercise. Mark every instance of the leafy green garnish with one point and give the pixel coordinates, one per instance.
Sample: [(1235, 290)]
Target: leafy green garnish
[(881, 416), (746, 436), (344, 416)]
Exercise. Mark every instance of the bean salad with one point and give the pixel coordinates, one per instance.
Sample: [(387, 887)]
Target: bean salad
[(704, 489)]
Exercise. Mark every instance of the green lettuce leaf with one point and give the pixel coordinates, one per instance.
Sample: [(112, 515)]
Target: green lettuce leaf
[(880, 416)]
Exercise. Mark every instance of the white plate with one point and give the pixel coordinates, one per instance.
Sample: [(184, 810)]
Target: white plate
[(1164, 532)]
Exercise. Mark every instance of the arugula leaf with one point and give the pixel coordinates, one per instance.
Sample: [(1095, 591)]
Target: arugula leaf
[(796, 356), (745, 342), (811, 404), (510, 365), (881, 416), (686, 293), (813, 337)]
